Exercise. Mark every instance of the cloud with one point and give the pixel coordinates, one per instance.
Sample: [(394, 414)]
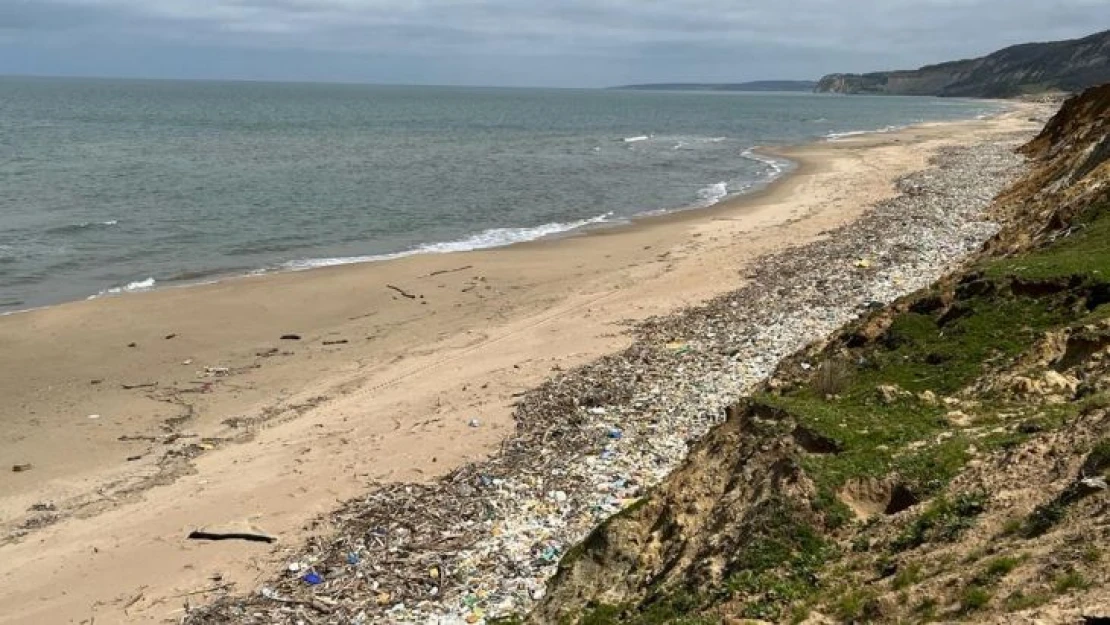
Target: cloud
[(629, 39)]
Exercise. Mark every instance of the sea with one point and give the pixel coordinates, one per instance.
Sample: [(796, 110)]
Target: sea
[(116, 186)]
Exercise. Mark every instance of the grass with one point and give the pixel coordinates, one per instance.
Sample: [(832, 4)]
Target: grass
[(1084, 254), (1098, 460), (944, 520), (778, 563), (974, 598), (1018, 600), (856, 605), (1012, 527), (1069, 581), (987, 327), (996, 569), (919, 353), (907, 576)]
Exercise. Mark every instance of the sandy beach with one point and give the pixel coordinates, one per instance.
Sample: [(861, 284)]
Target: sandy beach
[(139, 418)]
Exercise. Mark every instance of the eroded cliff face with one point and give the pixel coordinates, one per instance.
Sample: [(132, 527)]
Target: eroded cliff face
[(943, 458), (1067, 66)]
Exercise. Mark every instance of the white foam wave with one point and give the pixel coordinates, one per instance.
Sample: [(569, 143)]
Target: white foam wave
[(684, 142), (708, 196), (131, 287), (835, 136), (774, 166), (636, 139), (494, 237)]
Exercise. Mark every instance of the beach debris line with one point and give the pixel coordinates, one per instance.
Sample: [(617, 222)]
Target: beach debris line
[(22, 467), (337, 342), (290, 337)]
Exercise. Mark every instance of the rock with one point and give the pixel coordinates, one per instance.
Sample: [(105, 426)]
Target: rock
[(957, 418), (1026, 386), (1059, 382), (889, 393), (1093, 484), (928, 397)]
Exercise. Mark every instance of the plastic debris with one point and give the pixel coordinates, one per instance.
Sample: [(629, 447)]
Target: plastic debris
[(312, 579)]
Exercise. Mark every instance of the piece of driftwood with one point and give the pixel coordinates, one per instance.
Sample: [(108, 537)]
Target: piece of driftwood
[(252, 536), (443, 271), (403, 292)]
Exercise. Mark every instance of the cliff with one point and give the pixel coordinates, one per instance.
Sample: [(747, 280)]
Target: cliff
[(943, 458), (1068, 66)]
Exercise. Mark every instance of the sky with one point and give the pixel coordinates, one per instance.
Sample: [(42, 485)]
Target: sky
[(557, 43)]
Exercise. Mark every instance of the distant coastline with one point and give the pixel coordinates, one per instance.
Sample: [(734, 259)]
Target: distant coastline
[(803, 86)]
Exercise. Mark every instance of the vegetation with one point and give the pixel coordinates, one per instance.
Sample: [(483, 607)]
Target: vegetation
[(1069, 581), (942, 521), (974, 598)]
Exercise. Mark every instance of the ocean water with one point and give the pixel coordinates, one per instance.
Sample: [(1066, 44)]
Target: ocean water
[(110, 186)]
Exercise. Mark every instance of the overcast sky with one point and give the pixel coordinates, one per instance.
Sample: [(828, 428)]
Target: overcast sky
[(572, 43)]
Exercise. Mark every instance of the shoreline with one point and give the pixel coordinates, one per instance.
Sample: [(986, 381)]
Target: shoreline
[(274, 432), (772, 156), (783, 168)]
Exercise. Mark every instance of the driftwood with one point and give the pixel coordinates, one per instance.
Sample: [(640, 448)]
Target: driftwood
[(403, 292), (256, 537), (443, 271)]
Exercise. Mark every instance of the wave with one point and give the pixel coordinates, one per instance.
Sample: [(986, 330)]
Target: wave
[(835, 136), (82, 226), (683, 142), (636, 139), (708, 196), (494, 237), (131, 287), (775, 166)]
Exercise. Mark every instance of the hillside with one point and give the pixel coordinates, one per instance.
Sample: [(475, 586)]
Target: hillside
[(1069, 66), (944, 458), (759, 85)]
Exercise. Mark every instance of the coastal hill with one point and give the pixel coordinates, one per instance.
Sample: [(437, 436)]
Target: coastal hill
[(758, 85), (1068, 66), (943, 458)]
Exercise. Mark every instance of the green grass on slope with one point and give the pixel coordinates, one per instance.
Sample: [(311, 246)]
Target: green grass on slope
[(992, 322)]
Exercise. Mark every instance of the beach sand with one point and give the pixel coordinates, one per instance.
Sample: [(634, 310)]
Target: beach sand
[(228, 423)]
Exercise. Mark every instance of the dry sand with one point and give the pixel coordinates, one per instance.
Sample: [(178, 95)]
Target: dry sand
[(227, 423)]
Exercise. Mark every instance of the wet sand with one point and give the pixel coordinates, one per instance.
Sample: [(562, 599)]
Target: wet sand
[(226, 422)]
